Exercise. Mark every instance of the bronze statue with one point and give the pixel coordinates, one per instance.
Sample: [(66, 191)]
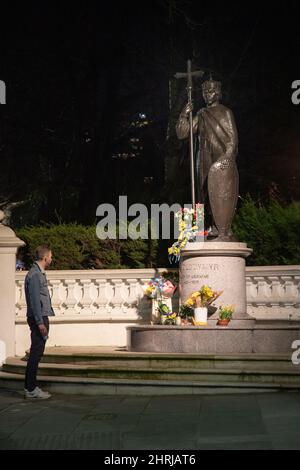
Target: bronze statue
[(215, 166)]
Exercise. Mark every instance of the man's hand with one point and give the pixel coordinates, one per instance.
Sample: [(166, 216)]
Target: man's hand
[(43, 329)]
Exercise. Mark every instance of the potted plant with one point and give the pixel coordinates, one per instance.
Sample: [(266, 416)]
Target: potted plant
[(225, 314)]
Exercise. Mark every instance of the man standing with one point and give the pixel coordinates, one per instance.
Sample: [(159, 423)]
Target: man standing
[(39, 308)]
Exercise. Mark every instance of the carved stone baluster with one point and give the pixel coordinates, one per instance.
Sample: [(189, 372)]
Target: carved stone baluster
[(132, 298), (251, 296), (20, 299), (297, 285), (101, 301), (71, 300), (133, 288), (17, 297), (118, 299), (276, 290), (86, 300), (263, 290), (289, 291), (251, 290), (56, 299)]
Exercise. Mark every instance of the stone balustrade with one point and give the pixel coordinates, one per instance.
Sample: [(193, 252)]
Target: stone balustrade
[(118, 294), (94, 307), (273, 292), (115, 295)]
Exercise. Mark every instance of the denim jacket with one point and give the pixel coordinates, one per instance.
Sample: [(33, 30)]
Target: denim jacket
[(37, 294)]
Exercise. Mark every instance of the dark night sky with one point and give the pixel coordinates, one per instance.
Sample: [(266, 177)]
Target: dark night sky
[(78, 75)]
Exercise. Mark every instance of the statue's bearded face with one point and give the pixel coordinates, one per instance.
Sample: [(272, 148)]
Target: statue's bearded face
[(211, 94)]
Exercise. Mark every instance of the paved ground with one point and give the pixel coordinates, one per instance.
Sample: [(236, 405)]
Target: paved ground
[(257, 421)]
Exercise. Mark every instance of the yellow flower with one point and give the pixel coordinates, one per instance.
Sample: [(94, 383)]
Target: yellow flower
[(207, 292), (195, 295), (149, 290), (189, 302), (227, 308)]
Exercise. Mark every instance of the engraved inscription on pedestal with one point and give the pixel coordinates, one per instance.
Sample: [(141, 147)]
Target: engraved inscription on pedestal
[(196, 272), (221, 273)]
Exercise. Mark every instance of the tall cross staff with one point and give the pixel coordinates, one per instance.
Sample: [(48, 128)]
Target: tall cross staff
[(189, 76)]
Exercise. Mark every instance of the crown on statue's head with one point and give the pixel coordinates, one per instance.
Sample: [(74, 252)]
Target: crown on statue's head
[(210, 84)]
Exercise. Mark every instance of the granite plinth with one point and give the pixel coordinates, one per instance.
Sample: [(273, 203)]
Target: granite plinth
[(213, 339)]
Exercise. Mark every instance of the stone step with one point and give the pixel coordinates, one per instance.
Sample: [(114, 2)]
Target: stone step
[(97, 386), (114, 356), (286, 374)]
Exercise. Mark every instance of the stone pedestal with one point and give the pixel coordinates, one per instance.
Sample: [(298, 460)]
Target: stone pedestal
[(221, 265), (8, 248)]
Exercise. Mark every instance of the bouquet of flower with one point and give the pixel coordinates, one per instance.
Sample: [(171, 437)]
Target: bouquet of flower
[(202, 297), (167, 316), (189, 223), (186, 313), (159, 287)]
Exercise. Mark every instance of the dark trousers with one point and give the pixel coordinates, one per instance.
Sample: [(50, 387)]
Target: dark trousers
[(36, 352)]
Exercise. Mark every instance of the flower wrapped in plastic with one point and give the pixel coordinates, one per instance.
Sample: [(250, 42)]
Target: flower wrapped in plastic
[(190, 223), (167, 316), (159, 287), (168, 288), (203, 297)]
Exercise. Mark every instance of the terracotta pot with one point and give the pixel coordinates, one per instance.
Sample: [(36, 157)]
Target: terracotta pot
[(223, 322)]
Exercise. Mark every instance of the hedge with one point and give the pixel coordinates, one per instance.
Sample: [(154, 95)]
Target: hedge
[(78, 247), (271, 230)]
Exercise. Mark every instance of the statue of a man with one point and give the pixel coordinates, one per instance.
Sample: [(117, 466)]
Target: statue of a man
[(216, 174)]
